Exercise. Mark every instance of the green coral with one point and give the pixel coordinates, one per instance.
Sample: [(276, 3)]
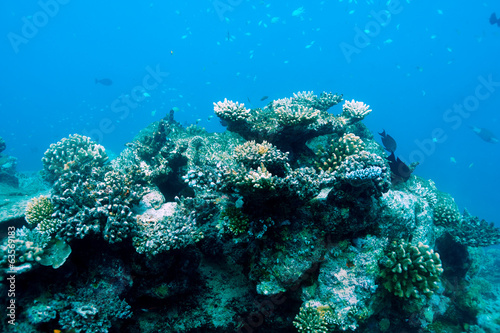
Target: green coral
[(38, 210), (338, 150), (235, 220), (75, 153), (411, 270), (312, 318)]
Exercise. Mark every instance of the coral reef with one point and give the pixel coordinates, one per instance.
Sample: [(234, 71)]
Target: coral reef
[(446, 211), (2, 144), (290, 221), (472, 231), (8, 166), (168, 227), (75, 153), (286, 123), (311, 319), (39, 209)]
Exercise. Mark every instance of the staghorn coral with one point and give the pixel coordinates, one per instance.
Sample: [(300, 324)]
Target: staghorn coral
[(411, 271), (75, 153)]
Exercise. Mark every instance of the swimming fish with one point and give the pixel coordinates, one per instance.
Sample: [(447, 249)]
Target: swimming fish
[(398, 167), (264, 98), (485, 134), (494, 19), (104, 82), (388, 142)]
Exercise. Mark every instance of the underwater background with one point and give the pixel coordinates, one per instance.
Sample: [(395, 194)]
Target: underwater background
[(411, 70), (429, 70)]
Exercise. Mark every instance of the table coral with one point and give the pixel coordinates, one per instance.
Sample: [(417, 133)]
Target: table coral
[(287, 123)]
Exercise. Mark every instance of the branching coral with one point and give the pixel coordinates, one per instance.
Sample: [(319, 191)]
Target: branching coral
[(472, 231), (286, 123), (76, 153), (253, 155), (355, 111), (338, 150), (411, 270), (173, 230), (235, 220), (312, 319), (361, 175), (38, 210), (99, 203)]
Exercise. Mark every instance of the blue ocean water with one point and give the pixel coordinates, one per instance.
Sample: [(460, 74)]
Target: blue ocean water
[(415, 68)]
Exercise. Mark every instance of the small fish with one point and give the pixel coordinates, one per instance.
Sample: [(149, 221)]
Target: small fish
[(494, 19), (453, 160), (104, 82), (485, 134), (388, 142), (145, 94), (263, 98), (298, 12)]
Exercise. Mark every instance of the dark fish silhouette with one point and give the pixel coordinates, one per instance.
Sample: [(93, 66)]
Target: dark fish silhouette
[(485, 134), (104, 82), (494, 19), (399, 168), (388, 142), (264, 98)]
